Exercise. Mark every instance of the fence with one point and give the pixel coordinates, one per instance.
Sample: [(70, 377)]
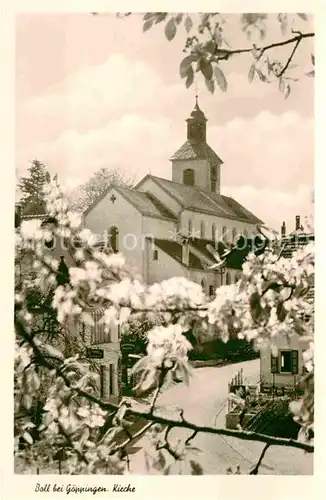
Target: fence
[(235, 384), (98, 333)]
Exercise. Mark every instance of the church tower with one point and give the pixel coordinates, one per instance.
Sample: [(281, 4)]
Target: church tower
[(195, 163)]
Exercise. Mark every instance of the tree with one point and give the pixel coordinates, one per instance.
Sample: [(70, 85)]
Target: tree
[(75, 419), (208, 48), (32, 201), (91, 190)]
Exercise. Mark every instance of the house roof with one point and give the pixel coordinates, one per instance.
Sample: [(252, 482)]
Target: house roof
[(174, 250), (275, 419), (236, 258), (195, 151), (291, 244), (200, 200)]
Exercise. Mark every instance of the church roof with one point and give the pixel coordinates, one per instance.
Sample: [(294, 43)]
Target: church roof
[(146, 203), (200, 200), (192, 151)]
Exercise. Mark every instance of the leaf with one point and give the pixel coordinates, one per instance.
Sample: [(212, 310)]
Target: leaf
[(185, 65), (303, 16), (147, 26), (206, 68), (220, 78), (196, 468), (261, 75), (149, 15), (210, 47), (287, 91), (28, 437), (251, 73), (190, 77), (179, 17), (313, 59), (161, 16), (210, 85), (281, 85), (188, 23), (170, 29)]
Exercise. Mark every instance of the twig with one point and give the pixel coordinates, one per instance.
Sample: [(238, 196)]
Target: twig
[(290, 58), (254, 470), (166, 446)]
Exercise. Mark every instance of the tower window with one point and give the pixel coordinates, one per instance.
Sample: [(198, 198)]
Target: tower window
[(189, 177), (213, 176), (155, 255), (202, 229)]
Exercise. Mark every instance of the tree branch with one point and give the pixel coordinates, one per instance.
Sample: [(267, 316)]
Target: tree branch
[(245, 435), (224, 54), (254, 470)]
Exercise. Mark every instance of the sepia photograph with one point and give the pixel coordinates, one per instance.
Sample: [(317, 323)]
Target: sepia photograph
[(164, 245)]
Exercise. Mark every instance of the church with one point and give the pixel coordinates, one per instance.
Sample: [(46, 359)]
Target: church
[(172, 228)]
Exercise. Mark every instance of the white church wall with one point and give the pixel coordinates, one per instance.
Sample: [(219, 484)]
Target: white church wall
[(165, 267), (197, 218), (159, 228), (126, 218)]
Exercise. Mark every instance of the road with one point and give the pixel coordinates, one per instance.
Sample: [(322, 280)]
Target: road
[(204, 403)]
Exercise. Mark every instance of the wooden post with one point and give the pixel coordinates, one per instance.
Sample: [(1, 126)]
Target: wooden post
[(59, 463)]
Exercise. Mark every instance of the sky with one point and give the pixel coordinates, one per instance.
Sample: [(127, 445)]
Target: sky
[(95, 91)]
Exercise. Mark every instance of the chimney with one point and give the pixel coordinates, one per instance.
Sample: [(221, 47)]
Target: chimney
[(185, 251), (283, 230), (297, 222)]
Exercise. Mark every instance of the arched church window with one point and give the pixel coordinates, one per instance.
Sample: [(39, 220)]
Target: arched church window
[(189, 177), (224, 233), (214, 235), (202, 229), (234, 235), (228, 279), (113, 234)]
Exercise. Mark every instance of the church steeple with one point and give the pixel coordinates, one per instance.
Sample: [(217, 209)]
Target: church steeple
[(196, 125), (195, 163)]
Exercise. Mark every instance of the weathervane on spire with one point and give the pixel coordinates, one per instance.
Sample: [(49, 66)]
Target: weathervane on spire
[(196, 96)]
